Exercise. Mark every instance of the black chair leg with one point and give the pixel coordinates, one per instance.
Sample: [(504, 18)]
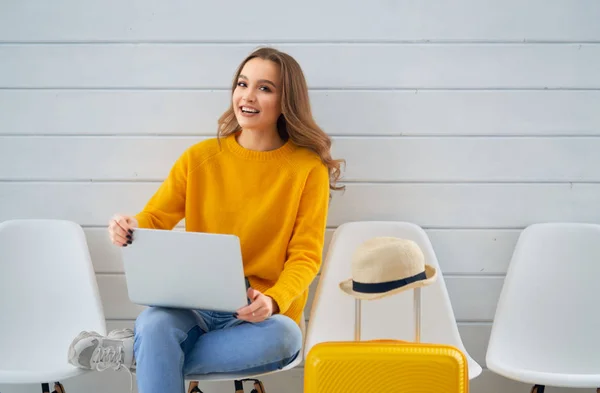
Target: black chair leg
[(538, 389), (258, 386), (239, 386)]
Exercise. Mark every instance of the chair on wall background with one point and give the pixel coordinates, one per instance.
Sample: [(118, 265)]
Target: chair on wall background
[(48, 294), (332, 314), (546, 331), (239, 378)]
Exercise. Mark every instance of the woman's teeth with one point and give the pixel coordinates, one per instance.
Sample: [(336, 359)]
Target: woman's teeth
[(248, 110)]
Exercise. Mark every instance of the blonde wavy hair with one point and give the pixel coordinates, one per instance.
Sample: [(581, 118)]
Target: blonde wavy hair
[(296, 121)]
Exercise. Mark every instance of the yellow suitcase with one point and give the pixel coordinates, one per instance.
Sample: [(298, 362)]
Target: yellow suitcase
[(385, 366)]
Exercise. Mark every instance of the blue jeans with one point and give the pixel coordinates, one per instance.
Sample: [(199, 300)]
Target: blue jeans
[(173, 343)]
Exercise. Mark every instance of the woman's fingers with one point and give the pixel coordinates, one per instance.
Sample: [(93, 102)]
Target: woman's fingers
[(124, 224), (119, 240), (256, 316), (249, 311), (258, 310), (253, 293), (120, 230)]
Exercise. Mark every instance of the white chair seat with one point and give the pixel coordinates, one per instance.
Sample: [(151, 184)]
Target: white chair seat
[(539, 377), (40, 374)]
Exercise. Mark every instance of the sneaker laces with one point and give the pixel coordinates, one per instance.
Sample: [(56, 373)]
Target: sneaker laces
[(111, 358)]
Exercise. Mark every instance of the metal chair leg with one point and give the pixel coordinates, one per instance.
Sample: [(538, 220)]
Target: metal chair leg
[(193, 388), (58, 388), (258, 387)]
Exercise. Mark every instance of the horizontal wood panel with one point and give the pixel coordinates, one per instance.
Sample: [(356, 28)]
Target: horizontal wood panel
[(470, 159), (190, 112), (467, 205), (456, 159), (115, 300), (458, 251), (473, 298), (347, 66), (428, 205), (332, 20), (291, 381), (487, 251)]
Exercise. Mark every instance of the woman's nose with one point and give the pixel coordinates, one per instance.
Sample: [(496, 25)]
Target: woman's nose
[(249, 97)]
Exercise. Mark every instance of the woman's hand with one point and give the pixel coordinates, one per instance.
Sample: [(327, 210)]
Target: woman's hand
[(261, 307), (120, 229)]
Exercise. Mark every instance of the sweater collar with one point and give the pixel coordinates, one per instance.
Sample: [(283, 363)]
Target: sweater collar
[(256, 155)]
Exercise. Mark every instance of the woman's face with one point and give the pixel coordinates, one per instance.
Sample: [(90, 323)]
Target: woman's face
[(257, 96)]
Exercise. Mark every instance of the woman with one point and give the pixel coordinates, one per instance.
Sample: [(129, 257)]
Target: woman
[(267, 179)]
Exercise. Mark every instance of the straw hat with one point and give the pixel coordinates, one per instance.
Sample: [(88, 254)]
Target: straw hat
[(385, 266)]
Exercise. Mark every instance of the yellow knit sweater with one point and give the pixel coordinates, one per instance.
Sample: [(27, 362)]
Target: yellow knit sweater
[(276, 202)]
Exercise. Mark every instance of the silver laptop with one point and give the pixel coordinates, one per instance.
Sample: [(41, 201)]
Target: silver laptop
[(185, 270)]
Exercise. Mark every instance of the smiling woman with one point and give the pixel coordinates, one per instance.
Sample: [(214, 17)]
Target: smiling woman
[(256, 101), (270, 93), (254, 96), (266, 178)]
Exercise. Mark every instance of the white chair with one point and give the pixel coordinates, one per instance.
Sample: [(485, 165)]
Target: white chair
[(546, 330), (48, 294), (239, 378), (332, 314)]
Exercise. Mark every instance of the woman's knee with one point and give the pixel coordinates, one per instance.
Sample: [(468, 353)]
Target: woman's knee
[(289, 336)]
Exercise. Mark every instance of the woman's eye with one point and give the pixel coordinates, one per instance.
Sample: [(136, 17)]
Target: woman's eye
[(242, 84), (265, 88)]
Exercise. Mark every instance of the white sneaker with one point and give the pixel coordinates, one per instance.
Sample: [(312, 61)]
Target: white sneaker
[(91, 351)]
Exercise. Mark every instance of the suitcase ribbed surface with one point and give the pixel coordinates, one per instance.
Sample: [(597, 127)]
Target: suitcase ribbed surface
[(385, 367)]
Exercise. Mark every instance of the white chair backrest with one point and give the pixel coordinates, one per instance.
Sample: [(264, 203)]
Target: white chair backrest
[(48, 290), (548, 314), (332, 313)]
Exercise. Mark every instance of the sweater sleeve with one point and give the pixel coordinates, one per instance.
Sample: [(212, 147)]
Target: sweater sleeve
[(166, 208), (305, 249)]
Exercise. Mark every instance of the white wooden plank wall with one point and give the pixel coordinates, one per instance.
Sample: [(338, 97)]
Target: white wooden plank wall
[(470, 118)]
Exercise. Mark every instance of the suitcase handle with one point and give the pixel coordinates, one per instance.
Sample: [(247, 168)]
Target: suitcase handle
[(416, 310)]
